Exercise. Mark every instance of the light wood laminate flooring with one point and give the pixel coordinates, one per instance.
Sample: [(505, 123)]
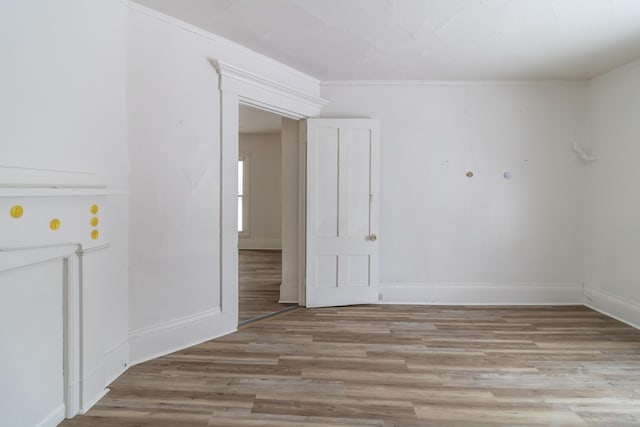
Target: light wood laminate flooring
[(392, 366), (259, 276)]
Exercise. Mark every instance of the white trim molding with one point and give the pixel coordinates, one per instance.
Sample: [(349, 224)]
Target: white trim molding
[(328, 83), (116, 361), (54, 418), (481, 293), (173, 335), (266, 94), (24, 176), (248, 242), (288, 293), (11, 258), (60, 192), (619, 308), (91, 377), (237, 87)]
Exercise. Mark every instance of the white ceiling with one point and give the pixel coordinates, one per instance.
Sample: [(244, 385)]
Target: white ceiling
[(427, 39), (253, 120)]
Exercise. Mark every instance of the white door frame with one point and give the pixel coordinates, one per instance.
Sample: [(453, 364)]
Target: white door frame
[(238, 86)]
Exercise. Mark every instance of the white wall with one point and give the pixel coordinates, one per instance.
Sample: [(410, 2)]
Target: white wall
[(444, 237), (175, 152), (447, 238), (290, 164), (612, 211), (263, 152), (62, 85), (63, 123), (173, 107)]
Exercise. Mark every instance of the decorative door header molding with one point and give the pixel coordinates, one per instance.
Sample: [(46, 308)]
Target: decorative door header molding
[(264, 93)]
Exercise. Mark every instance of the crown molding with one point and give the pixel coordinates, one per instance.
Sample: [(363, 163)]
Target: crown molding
[(297, 104), (329, 83)]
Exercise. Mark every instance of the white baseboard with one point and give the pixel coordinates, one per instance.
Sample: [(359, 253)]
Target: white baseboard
[(622, 309), (54, 418), (94, 384), (116, 362), (93, 400), (258, 243), (177, 334), (93, 387), (481, 293), (288, 293)]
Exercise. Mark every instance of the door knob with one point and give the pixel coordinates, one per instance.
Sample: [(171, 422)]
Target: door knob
[(373, 237)]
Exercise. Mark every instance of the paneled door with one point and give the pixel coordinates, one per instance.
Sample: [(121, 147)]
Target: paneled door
[(343, 158)]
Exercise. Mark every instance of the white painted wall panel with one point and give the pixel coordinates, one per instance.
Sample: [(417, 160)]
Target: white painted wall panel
[(31, 323), (63, 93), (612, 247), (174, 146)]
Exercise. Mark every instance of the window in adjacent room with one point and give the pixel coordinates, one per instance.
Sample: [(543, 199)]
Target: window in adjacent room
[(243, 195)]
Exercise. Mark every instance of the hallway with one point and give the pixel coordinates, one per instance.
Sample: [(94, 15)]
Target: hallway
[(259, 276)]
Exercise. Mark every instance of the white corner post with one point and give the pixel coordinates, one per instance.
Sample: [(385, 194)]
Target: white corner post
[(229, 206)]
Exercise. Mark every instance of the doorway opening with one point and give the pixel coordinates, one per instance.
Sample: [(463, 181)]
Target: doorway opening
[(262, 226)]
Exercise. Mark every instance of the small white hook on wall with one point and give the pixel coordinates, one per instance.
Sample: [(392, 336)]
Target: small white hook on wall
[(584, 156)]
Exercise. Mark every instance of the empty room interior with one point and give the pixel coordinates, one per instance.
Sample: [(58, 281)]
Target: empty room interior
[(260, 223), (319, 213)]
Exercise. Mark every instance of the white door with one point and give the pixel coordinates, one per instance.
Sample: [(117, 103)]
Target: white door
[(343, 157)]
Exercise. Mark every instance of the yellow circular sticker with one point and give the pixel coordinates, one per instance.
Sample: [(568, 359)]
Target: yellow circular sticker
[(16, 211), (95, 234), (54, 224), (94, 209), (94, 221)]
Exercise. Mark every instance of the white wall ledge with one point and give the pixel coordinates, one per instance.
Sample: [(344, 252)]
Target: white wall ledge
[(12, 258), (60, 192)]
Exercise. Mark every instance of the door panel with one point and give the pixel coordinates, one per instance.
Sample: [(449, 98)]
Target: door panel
[(342, 211), (359, 176), (326, 271), (327, 184)]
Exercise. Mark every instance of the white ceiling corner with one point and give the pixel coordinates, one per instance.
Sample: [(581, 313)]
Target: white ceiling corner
[(427, 39)]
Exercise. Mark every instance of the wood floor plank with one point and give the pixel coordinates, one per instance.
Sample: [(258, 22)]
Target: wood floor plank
[(392, 366), (259, 277)]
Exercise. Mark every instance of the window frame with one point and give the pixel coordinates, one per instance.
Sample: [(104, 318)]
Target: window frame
[(246, 199)]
